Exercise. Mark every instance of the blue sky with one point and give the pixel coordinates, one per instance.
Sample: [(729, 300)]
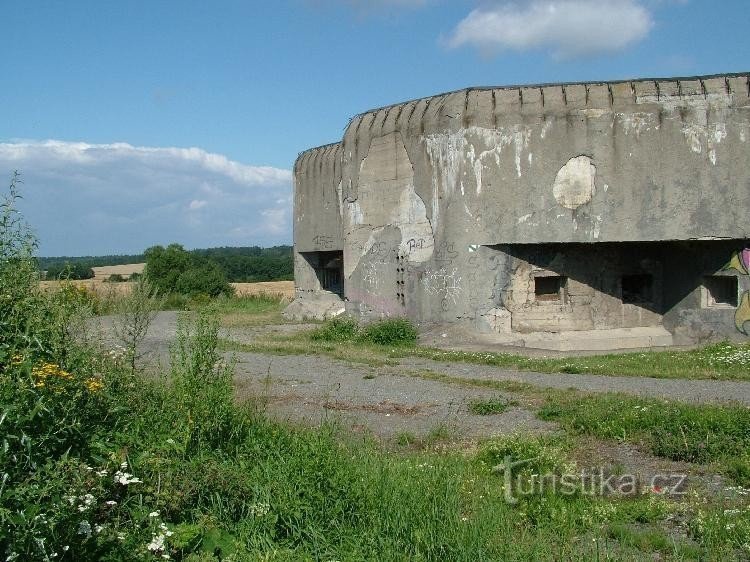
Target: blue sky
[(144, 122)]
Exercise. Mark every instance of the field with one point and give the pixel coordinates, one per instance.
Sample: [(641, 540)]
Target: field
[(102, 288)]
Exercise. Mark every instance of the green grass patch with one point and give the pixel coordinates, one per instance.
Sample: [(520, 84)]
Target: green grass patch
[(489, 406), (398, 332), (681, 432), (721, 361), (717, 361)]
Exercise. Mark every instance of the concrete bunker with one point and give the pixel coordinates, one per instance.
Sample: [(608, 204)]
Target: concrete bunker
[(612, 211)]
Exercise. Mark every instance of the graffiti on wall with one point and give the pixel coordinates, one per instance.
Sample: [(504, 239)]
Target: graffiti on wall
[(741, 262)]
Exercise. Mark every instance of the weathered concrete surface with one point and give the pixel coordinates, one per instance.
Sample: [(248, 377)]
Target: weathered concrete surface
[(451, 208)]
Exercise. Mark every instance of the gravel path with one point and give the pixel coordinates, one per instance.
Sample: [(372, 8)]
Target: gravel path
[(390, 400)]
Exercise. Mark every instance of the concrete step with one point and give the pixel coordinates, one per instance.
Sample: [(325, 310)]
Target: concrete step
[(598, 340)]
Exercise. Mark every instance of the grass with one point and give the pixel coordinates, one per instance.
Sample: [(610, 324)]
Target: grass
[(682, 432), (717, 361), (721, 361), (250, 310), (489, 406), (394, 332)]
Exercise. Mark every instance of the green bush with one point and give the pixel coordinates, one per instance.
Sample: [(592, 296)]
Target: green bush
[(337, 330), (175, 270), (393, 331)]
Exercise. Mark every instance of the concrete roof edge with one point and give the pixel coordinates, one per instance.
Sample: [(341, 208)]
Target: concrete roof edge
[(322, 146), (745, 74)]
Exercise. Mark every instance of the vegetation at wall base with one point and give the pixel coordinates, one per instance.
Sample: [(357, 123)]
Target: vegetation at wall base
[(399, 332)]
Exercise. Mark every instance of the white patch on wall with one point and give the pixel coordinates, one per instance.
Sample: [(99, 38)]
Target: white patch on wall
[(575, 184), (355, 213), (448, 152), (697, 102), (636, 123), (340, 199), (524, 218), (708, 136)]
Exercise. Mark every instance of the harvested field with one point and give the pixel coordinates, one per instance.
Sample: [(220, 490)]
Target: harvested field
[(96, 286), (101, 288), (285, 288), (125, 270)]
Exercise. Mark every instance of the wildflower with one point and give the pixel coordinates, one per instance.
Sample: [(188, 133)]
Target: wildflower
[(101, 473), (125, 478), (259, 509), (93, 384), (157, 543), (154, 514), (84, 528), (111, 502)]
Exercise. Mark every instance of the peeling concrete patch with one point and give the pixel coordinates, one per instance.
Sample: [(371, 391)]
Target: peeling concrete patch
[(698, 136), (386, 196), (636, 123), (575, 183)]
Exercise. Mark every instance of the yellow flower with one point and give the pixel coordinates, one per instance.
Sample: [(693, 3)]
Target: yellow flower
[(93, 384)]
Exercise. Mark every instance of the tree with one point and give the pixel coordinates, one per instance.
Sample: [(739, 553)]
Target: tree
[(175, 270), (164, 266)]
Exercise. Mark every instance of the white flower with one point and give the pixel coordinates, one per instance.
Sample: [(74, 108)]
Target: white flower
[(111, 502), (154, 514), (98, 528), (84, 528), (259, 509), (157, 543), (125, 478), (102, 472)]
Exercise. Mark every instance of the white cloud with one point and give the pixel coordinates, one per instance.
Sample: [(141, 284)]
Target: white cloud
[(569, 28), (100, 198)]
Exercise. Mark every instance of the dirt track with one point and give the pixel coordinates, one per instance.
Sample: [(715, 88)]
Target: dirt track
[(391, 399)]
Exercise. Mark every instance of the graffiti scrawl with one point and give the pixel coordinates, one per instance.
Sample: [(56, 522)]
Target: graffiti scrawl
[(741, 262)]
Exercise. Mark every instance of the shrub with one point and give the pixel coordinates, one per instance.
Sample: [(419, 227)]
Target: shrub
[(175, 270), (337, 330), (393, 331)]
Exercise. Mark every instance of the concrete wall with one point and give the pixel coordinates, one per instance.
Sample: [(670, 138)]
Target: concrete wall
[(430, 200)]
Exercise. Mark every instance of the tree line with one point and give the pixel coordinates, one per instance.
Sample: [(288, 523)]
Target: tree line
[(248, 264)]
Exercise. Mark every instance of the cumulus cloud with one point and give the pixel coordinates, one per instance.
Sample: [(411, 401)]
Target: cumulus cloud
[(568, 28), (101, 198)]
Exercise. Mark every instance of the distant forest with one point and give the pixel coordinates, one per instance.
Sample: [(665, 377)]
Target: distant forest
[(247, 264)]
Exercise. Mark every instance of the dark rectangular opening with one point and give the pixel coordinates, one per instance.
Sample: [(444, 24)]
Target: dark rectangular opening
[(549, 288), (330, 271), (637, 289), (721, 290)]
